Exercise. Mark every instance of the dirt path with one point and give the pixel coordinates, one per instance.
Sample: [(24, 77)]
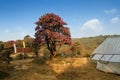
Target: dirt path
[(20, 62)]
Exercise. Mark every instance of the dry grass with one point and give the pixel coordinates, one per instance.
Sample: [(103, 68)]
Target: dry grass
[(61, 69)]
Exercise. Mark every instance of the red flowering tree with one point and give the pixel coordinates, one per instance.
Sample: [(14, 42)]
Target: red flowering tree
[(50, 30)]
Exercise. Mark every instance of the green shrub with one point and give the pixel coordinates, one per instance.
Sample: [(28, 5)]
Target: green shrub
[(40, 61)]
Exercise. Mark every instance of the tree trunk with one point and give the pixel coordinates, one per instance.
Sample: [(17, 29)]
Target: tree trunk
[(52, 54), (36, 53), (52, 48), (7, 57)]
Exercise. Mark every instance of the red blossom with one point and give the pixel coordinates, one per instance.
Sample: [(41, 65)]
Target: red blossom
[(50, 28), (9, 44), (20, 49)]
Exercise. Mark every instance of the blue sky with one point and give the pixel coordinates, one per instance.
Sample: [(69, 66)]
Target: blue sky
[(84, 17)]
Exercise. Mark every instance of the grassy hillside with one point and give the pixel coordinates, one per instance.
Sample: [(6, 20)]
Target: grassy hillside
[(88, 44)]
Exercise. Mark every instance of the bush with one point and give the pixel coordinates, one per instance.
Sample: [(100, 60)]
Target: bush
[(3, 75), (40, 60), (86, 55)]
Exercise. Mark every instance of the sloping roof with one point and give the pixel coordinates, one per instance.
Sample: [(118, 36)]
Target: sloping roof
[(109, 50)]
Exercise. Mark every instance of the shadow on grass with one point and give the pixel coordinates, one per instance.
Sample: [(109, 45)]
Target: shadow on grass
[(3, 75)]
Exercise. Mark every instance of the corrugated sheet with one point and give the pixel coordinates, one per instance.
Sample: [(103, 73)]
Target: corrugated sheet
[(109, 50)]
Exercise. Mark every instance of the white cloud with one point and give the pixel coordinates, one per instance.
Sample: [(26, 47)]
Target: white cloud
[(115, 20), (93, 25), (111, 11)]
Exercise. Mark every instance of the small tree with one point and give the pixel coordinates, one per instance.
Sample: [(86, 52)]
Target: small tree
[(28, 40), (8, 46), (50, 30), (35, 48), (1, 46)]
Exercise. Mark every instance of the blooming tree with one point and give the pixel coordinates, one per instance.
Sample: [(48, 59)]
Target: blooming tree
[(50, 30)]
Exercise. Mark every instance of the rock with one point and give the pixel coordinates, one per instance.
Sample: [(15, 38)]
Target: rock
[(22, 67)]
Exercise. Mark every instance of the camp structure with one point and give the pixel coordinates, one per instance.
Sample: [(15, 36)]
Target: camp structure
[(107, 55)]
